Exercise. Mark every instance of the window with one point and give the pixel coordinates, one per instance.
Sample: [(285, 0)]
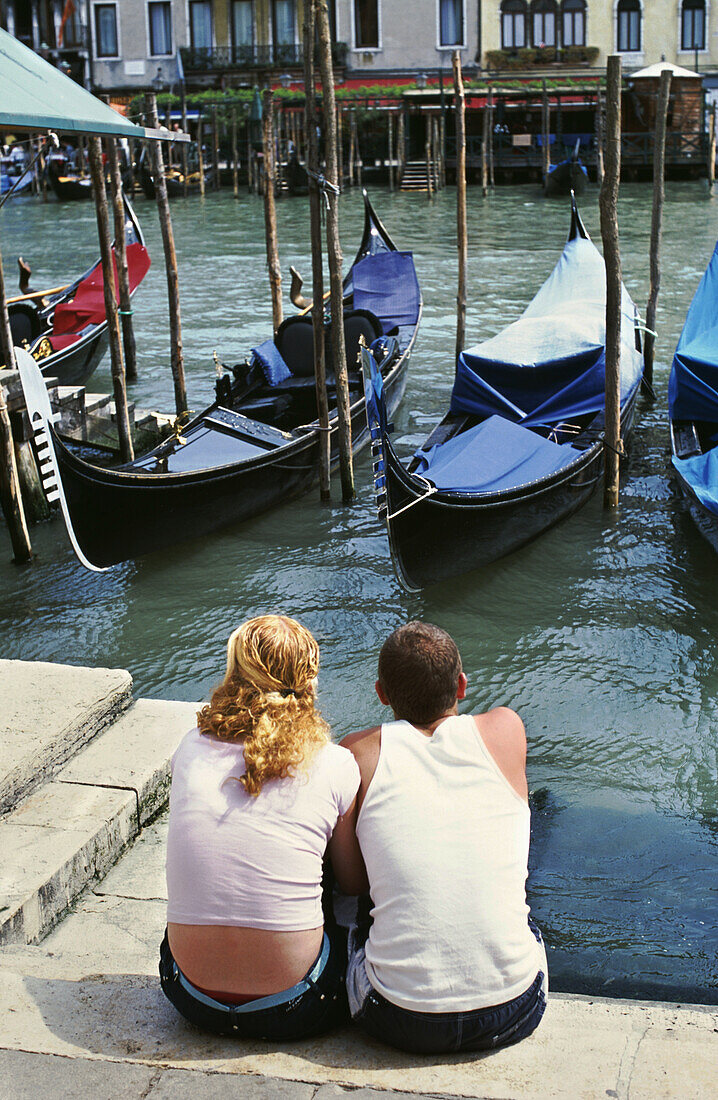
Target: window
[(451, 22), (543, 22), (629, 26), (200, 24), (573, 22), (693, 25), (106, 30), (160, 17), (513, 24), (242, 24), (366, 24), (284, 22)]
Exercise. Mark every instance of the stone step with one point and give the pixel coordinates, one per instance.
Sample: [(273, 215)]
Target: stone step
[(47, 713), (74, 828)]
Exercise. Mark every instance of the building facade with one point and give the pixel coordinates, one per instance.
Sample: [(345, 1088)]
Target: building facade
[(123, 45)]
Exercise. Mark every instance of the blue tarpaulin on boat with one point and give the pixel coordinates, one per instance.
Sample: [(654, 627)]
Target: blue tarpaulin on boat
[(693, 384), (701, 473), (386, 284), (550, 364), (492, 456)]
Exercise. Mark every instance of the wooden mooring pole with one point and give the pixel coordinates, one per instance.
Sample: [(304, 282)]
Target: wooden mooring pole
[(427, 154), (608, 204), (168, 242), (545, 133), (10, 497), (339, 359), (123, 275), (712, 148), (200, 157), (485, 152), (659, 170), (390, 143), (97, 173), (215, 151), (270, 209), (490, 104), (315, 222), (599, 137), (400, 147), (461, 235), (235, 156), (185, 167)]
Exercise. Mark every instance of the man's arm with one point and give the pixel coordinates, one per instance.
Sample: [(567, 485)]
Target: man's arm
[(365, 746), (504, 735)]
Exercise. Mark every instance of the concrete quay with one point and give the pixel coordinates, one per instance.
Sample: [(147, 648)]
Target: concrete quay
[(82, 1013)]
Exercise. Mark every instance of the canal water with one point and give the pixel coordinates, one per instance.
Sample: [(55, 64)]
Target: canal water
[(603, 634)]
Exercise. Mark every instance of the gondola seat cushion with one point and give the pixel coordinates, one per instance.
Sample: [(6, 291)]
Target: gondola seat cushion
[(492, 456), (295, 340), (270, 360)]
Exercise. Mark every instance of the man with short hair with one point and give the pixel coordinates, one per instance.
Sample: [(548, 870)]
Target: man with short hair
[(452, 961)]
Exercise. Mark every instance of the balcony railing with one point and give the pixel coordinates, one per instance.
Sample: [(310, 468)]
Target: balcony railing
[(216, 59)]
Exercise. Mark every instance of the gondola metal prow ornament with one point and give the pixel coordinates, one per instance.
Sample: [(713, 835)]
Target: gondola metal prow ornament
[(41, 419)]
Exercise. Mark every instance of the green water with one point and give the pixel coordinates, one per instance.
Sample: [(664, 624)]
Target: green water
[(603, 634)]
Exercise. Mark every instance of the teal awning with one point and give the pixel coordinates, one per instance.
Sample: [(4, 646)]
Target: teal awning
[(34, 95)]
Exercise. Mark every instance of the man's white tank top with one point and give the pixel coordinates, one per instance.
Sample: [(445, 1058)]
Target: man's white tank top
[(445, 839)]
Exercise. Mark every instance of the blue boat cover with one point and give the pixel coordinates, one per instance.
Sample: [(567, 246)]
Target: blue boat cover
[(569, 160), (550, 364), (701, 473), (492, 456), (693, 384), (386, 284)]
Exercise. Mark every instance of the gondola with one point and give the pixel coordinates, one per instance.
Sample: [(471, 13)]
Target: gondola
[(258, 444), (67, 185), (521, 446), (693, 406), (66, 330), (567, 176), (174, 181)]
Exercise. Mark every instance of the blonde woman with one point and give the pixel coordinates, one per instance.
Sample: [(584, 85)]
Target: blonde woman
[(259, 792)]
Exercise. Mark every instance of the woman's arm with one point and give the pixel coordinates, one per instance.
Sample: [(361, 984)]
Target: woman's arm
[(345, 854)]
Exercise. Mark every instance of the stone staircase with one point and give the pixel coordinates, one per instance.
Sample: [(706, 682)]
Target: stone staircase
[(415, 176), (83, 768)]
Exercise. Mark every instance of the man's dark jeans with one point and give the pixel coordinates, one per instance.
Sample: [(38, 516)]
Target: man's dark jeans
[(318, 1009), (442, 1032)]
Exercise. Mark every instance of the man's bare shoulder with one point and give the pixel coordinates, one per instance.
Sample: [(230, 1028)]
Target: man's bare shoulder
[(355, 741), (501, 722)]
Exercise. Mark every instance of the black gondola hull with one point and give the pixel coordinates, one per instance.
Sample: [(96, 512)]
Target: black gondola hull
[(566, 177), (443, 535), (120, 515)]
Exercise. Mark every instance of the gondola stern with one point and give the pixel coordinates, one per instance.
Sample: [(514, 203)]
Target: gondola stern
[(42, 421)]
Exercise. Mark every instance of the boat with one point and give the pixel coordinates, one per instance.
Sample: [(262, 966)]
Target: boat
[(567, 176), (65, 328), (522, 444), (14, 176), (68, 185), (174, 180), (258, 444), (693, 407)]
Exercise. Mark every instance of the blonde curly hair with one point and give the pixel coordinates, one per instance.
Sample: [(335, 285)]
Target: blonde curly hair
[(266, 699)]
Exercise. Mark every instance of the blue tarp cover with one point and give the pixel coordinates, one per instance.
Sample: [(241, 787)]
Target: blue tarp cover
[(693, 385), (701, 473), (492, 456), (386, 284), (550, 364)]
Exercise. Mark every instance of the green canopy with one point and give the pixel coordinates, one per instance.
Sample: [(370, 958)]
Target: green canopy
[(34, 95)]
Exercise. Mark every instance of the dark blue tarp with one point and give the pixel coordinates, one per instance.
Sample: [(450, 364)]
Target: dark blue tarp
[(492, 456), (386, 284), (550, 364), (693, 384), (701, 473)]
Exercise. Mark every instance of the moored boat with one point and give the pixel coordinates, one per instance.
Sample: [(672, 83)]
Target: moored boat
[(522, 444), (258, 444), (567, 176), (693, 406), (65, 329)]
